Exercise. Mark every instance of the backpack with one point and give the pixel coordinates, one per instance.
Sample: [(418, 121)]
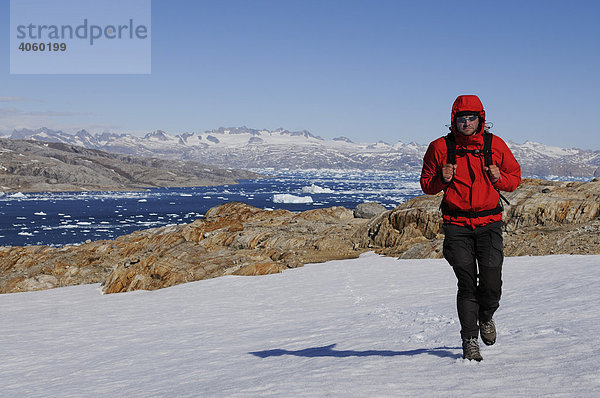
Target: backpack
[(487, 158)]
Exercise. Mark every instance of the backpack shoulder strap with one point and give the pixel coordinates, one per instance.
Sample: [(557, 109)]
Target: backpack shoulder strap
[(450, 148), (487, 148), (487, 156)]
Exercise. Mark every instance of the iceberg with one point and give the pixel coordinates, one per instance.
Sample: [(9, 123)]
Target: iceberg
[(287, 198), (317, 189)]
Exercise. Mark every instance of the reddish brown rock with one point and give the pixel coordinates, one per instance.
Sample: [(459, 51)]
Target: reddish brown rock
[(544, 218), (234, 238), (238, 239)]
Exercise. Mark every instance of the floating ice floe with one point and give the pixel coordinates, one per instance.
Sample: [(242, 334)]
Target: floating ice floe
[(317, 189), (142, 200), (287, 198), (17, 195), (39, 213)]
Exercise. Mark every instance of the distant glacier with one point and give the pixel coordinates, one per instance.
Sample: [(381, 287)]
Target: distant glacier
[(246, 148)]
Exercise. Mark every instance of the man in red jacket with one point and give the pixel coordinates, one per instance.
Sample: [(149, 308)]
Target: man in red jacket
[(471, 177)]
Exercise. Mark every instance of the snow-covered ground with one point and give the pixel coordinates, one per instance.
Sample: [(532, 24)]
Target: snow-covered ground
[(369, 327)]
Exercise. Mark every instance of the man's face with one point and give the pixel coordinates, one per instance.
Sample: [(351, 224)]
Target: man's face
[(467, 125)]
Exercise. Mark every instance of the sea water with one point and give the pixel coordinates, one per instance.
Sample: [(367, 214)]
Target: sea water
[(58, 218)]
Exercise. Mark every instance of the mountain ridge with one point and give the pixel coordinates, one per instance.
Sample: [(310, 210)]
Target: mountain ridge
[(261, 148)]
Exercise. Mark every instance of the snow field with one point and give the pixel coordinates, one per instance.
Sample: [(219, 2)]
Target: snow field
[(368, 327)]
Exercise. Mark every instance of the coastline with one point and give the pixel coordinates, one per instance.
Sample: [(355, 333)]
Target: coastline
[(239, 239)]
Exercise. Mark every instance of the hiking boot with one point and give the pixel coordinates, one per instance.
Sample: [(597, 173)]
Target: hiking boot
[(488, 332), (471, 349)]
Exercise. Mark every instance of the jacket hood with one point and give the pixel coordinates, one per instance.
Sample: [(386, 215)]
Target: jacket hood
[(468, 103)]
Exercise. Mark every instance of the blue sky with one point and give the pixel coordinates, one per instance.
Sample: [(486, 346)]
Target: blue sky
[(368, 70)]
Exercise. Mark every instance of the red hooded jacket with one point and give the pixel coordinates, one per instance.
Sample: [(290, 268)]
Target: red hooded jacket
[(470, 189)]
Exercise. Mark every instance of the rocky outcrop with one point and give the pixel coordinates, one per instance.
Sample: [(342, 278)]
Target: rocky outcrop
[(543, 218), (33, 166), (234, 238), (238, 239), (369, 210)]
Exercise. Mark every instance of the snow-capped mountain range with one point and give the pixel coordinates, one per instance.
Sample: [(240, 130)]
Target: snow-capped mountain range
[(243, 147)]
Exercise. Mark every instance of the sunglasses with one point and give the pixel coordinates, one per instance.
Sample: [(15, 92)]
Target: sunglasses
[(463, 119)]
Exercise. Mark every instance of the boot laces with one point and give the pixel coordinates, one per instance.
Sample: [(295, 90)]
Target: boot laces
[(471, 346), (488, 327)]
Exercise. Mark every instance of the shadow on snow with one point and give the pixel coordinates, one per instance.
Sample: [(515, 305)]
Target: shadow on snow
[(328, 351)]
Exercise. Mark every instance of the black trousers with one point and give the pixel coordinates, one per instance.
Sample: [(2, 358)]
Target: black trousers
[(476, 255)]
